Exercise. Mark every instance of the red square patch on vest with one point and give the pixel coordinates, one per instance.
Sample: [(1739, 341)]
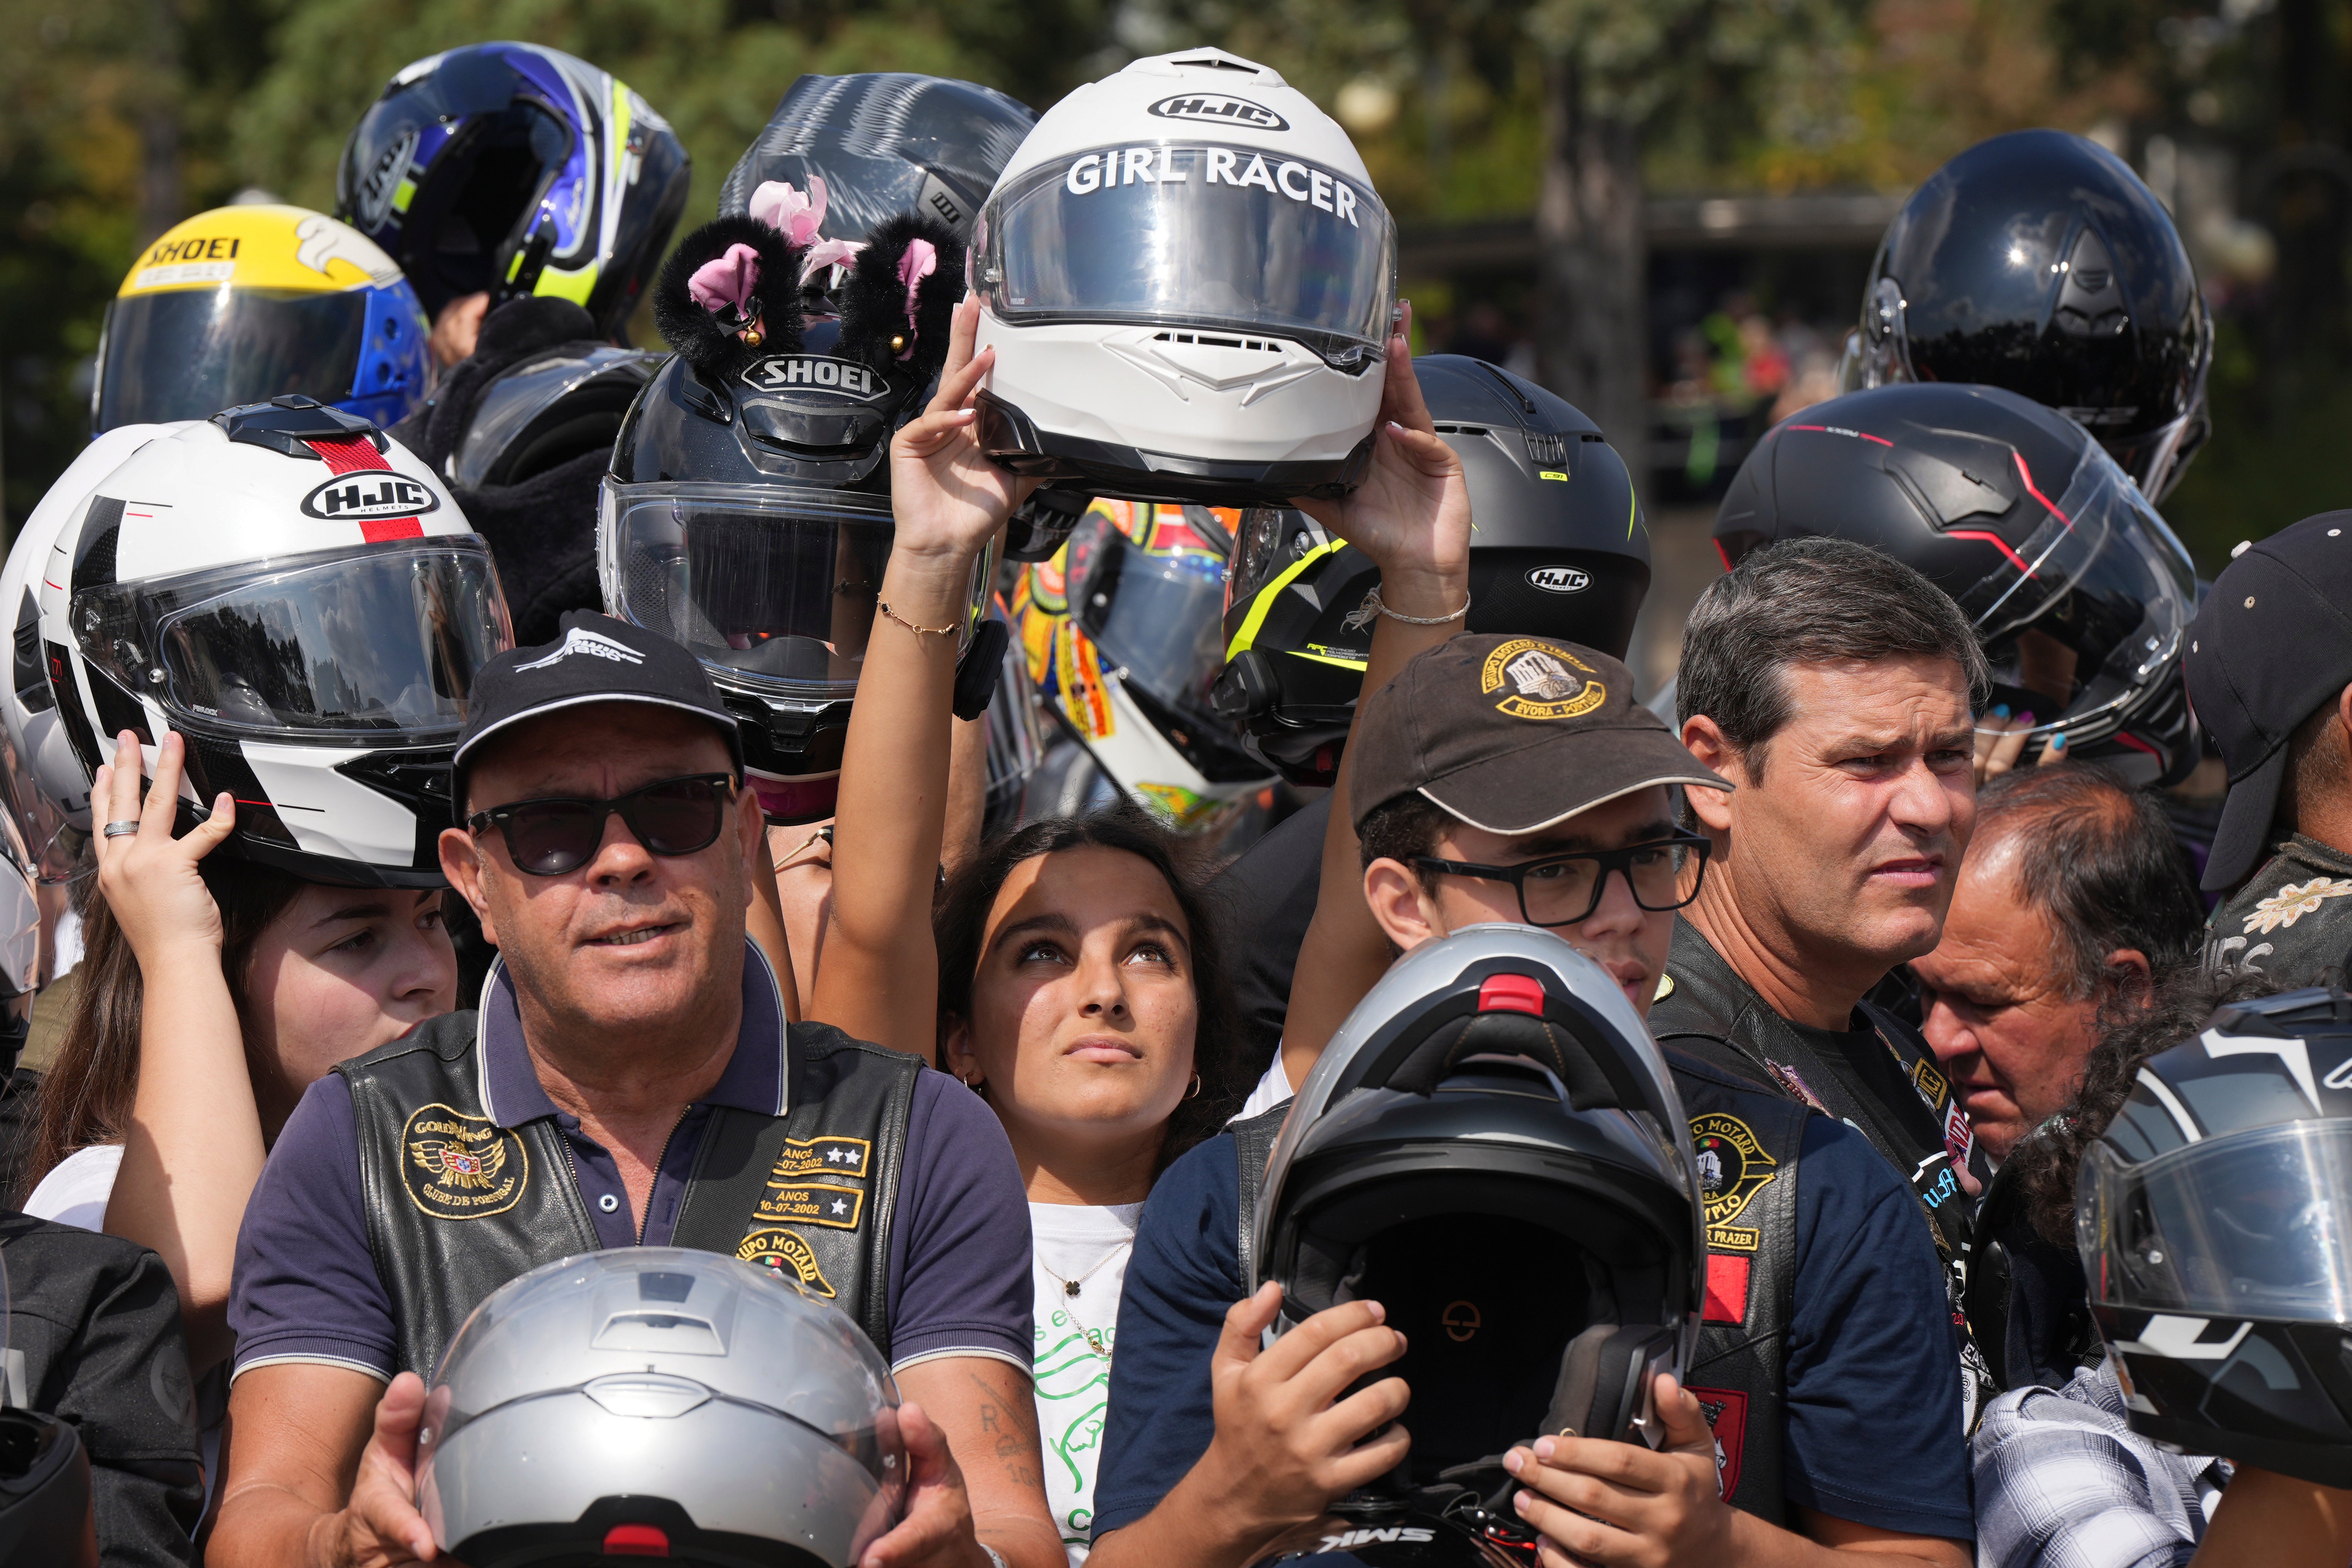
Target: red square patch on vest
[(1726, 1289), (1727, 1412)]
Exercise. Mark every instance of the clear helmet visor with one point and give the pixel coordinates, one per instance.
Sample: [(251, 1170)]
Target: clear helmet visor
[(2256, 1224), (187, 353), (2090, 608), (774, 588), (1154, 607), (1194, 235), (382, 641)]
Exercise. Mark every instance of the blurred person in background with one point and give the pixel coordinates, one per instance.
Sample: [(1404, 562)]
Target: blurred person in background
[(2073, 898), (2269, 666)]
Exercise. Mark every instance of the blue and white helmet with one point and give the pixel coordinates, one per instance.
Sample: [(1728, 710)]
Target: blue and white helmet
[(516, 169)]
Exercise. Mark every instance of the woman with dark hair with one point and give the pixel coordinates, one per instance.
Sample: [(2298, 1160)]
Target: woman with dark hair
[(1080, 987), (2061, 1480), (213, 992)]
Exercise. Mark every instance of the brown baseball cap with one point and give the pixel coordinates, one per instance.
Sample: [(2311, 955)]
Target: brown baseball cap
[(1512, 734)]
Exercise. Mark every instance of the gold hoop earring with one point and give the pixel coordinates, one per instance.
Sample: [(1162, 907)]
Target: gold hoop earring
[(1194, 1093)]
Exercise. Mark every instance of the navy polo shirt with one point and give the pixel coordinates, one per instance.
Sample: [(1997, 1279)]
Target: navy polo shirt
[(307, 1289)]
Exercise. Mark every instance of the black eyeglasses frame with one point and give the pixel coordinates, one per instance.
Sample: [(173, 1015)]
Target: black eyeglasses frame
[(1619, 861)]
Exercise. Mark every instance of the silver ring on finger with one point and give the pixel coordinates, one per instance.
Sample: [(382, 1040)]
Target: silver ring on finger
[(119, 829)]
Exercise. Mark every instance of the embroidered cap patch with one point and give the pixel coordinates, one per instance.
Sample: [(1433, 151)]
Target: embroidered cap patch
[(461, 1167)]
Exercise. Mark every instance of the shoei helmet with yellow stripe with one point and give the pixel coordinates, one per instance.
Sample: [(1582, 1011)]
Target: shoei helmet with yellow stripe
[(1558, 548), (516, 169), (246, 304)]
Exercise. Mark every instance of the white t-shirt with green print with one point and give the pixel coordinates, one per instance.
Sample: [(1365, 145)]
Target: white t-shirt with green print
[(1074, 1335)]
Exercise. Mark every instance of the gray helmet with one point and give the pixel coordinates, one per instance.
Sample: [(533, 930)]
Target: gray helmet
[(659, 1402), (1491, 1146)]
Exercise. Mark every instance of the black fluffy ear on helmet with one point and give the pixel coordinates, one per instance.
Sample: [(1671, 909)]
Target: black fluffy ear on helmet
[(712, 300), (900, 299)]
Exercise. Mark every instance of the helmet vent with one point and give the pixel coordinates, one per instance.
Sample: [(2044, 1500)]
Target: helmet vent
[(1252, 344), (1547, 449), (1511, 993)]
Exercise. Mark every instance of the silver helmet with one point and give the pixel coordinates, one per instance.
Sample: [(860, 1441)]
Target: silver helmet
[(657, 1401), (1492, 1147)]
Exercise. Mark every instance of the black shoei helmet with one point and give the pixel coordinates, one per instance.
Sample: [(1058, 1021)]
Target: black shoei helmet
[(2039, 262), (1561, 550), (1491, 1148), (2214, 1217), (747, 512), (2078, 589)]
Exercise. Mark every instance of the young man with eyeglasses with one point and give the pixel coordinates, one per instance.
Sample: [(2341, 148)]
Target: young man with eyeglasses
[(629, 1081), (1514, 779)]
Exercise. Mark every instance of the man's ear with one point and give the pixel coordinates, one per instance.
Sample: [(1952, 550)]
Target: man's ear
[(1400, 903), (2133, 974), (461, 862), (1704, 739), (751, 838), (2344, 716)]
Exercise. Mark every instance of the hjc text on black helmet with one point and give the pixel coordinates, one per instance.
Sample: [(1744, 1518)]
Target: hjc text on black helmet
[(1561, 550), (2038, 261), (1491, 1147), (2078, 591), (2214, 1219)]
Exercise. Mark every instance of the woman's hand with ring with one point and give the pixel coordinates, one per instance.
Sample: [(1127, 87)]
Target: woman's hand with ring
[(149, 879)]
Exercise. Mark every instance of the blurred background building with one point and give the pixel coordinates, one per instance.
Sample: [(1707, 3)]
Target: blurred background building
[(1663, 209)]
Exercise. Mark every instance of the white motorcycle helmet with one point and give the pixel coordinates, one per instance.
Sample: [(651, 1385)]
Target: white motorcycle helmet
[(658, 1401), (47, 788), (1188, 280), (301, 599)]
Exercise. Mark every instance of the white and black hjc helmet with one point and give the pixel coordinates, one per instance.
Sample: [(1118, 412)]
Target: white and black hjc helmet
[(1189, 282), (2214, 1218), (659, 1402), (1492, 1148), (301, 598)]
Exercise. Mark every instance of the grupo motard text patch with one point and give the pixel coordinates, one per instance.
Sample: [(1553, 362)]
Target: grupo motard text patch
[(460, 1166)]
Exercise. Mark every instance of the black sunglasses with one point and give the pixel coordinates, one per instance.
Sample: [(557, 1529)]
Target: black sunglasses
[(1563, 889), (669, 816)]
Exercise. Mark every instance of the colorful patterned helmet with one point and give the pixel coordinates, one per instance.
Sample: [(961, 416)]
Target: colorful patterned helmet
[(1122, 636), (242, 304), (515, 169)]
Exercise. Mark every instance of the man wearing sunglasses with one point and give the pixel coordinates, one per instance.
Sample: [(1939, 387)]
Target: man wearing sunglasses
[(1500, 778), (629, 1081)]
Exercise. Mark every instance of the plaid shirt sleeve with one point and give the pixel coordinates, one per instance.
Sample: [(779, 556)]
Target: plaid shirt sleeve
[(2062, 1482)]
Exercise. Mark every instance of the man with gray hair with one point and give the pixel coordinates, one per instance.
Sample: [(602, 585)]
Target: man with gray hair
[(1836, 688)]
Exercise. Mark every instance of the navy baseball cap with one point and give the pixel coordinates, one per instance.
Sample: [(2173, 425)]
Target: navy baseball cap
[(597, 659), (2269, 647)]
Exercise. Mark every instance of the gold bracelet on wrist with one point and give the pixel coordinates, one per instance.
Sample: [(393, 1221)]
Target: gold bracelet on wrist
[(946, 631)]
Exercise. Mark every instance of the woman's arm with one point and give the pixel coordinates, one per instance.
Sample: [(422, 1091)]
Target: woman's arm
[(194, 1148), (1412, 516), (880, 979)]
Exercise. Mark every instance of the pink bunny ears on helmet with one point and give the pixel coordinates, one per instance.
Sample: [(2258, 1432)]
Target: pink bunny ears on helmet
[(738, 289)]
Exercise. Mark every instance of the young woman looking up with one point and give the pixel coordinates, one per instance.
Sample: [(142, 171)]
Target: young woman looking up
[(249, 984), (1079, 985)]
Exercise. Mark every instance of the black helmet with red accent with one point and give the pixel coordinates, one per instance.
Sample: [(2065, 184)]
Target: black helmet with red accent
[(301, 598), (2079, 592), (1492, 1148)]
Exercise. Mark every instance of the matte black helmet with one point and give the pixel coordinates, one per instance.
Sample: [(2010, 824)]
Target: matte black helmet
[(2079, 592), (2039, 262), (1491, 1147), (1561, 550), (2214, 1220)]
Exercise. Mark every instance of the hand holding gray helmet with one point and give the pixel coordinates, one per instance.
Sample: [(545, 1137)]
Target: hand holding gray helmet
[(1492, 1148), (659, 1402)]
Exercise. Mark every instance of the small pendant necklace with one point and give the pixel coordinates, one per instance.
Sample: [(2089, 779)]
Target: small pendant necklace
[(1070, 1288)]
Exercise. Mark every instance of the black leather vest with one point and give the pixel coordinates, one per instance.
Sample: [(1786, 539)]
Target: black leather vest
[(1747, 1144), (458, 1204), (1709, 1012)]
